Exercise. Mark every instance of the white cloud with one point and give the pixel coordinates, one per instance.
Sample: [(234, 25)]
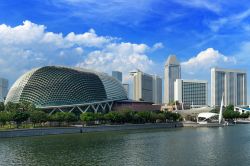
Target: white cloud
[(157, 46), (124, 57), (206, 59), (204, 4), (29, 45), (232, 20)]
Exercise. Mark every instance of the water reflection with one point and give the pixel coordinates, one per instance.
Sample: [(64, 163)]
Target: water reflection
[(185, 146)]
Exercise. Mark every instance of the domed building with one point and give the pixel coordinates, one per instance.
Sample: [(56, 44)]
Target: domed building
[(56, 88)]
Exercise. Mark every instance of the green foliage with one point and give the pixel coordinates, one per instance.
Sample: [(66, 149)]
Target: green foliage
[(229, 108), (20, 116), (215, 111), (70, 117), (26, 106), (5, 117), (2, 108), (229, 113), (38, 116), (115, 117), (244, 115), (88, 117)]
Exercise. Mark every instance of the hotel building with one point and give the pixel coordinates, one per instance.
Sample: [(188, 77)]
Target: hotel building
[(233, 83)]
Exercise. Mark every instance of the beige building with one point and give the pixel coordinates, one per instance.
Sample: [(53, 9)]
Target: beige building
[(147, 87)]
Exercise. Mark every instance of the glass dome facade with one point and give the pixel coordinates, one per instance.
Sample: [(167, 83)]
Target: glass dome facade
[(57, 86)]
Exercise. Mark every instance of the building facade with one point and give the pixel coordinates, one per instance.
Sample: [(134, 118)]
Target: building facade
[(126, 87), (147, 87), (117, 75), (157, 89), (4, 84), (231, 83), (171, 73), (191, 92)]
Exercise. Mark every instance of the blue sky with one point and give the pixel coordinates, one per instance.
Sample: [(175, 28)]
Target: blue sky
[(124, 35)]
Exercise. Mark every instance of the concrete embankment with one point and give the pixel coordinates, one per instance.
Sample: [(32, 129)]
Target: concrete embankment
[(71, 130)]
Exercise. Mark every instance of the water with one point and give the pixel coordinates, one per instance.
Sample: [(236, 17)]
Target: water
[(185, 146)]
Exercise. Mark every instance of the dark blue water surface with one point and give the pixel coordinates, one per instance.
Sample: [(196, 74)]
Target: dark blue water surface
[(227, 146)]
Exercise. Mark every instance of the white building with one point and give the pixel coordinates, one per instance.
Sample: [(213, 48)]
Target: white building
[(147, 87), (171, 73), (233, 83), (4, 83), (191, 92)]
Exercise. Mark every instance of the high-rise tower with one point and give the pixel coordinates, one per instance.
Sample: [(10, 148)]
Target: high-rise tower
[(231, 83), (171, 73)]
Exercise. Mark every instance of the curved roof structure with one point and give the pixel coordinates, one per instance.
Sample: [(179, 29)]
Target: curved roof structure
[(56, 86), (207, 115)]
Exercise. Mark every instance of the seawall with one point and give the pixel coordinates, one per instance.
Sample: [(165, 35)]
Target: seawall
[(71, 130)]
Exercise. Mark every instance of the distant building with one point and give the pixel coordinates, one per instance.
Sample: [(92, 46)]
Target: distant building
[(4, 84), (147, 87), (172, 72), (157, 89), (117, 75), (233, 83), (191, 92), (126, 87)]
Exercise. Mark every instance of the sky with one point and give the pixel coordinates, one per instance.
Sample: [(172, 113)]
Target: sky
[(124, 35)]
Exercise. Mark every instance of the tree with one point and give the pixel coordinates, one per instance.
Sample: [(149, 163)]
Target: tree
[(26, 106), (20, 116), (88, 117), (69, 117), (244, 115), (2, 106), (38, 116), (58, 117), (5, 117), (115, 117)]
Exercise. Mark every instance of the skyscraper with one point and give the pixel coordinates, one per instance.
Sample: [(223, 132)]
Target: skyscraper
[(157, 89), (147, 87), (3, 88), (171, 73), (233, 83), (117, 75)]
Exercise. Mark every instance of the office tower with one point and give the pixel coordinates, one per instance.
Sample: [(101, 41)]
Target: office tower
[(191, 92), (147, 87), (117, 75), (3, 88), (233, 83), (157, 89), (126, 87), (172, 72)]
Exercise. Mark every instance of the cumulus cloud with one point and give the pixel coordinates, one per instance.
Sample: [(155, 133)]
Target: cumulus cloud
[(205, 60), (124, 57), (29, 45)]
